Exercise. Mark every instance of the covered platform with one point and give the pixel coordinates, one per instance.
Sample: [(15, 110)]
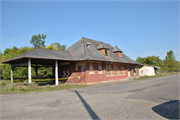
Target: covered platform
[(39, 56)]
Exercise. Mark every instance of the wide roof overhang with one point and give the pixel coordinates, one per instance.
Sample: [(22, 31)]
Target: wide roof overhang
[(41, 56)]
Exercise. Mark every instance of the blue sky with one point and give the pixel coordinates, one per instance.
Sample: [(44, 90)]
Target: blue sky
[(138, 28)]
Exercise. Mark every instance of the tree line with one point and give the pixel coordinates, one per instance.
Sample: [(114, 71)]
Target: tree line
[(38, 41), (169, 64)]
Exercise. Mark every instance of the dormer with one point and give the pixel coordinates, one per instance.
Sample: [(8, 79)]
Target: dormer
[(117, 51), (103, 49)]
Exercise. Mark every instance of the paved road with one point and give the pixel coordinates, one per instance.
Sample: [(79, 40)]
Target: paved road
[(155, 98)]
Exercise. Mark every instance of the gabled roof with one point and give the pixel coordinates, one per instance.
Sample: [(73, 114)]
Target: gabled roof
[(42, 53), (82, 52), (77, 51), (116, 49), (101, 46)]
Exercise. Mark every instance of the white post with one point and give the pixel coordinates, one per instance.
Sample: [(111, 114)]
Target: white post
[(56, 72), (11, 74), (29, 70)]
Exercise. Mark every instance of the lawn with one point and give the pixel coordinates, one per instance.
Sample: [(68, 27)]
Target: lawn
[(162, 74), (24, 87)]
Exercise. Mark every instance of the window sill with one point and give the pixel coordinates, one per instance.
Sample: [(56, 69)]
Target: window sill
[(100, 73), (91, 73)]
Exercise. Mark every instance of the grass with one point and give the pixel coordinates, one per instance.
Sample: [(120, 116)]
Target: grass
[(20, 87), (162, 74)]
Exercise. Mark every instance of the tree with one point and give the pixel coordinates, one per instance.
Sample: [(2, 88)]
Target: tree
[(51, 46), (38, 40), (59, 46), (153, 60), (140, 60), (170, 64), (150, 60), (170, 55)]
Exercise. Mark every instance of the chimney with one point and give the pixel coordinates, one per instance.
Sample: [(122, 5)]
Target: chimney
[(117, 51)]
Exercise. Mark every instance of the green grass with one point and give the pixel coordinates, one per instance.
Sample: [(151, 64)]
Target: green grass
[(162, 74), (20, 87)]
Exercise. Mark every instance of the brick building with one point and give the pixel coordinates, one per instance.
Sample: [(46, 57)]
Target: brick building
[(86, 61)]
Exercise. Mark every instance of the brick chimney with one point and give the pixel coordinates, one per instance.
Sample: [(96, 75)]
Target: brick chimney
[(117, 51)]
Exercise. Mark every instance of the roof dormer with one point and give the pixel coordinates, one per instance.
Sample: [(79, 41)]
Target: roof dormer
[(117, 51), (103, 49)]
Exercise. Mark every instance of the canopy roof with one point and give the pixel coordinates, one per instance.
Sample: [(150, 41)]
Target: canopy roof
[(41, 53)]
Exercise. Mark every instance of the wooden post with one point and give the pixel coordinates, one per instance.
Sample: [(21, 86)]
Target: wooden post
[(11, 74), (29, 70), (56, 72)]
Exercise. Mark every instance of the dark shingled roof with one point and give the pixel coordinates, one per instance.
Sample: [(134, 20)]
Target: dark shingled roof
[(44, 54), (78, 51), (116, 49), (101, 46), (82, 52)]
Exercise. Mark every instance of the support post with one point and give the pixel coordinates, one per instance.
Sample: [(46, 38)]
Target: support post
[(29, 70), (11, 74), (56, 72)]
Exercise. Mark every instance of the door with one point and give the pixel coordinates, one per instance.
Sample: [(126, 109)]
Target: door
[(65, 71), (129, 70)]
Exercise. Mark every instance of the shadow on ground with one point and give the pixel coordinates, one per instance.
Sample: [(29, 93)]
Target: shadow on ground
[(169, 110), (93, 115)]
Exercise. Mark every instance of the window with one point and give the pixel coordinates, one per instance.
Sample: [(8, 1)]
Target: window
[(115, 69), (108, 69), (122, 70), (100, 68), (106, 53), (91, 68), (134, 70)]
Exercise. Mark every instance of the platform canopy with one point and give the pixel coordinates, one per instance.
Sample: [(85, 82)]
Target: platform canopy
[(41, 56)]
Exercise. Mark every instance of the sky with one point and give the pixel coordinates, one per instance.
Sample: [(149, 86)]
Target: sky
[(138, 28)]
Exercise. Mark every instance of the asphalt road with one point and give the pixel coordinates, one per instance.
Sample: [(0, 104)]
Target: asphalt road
[(155, 98)]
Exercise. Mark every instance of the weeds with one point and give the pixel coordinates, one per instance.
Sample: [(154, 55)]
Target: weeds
[(6, 87), (162, 74)]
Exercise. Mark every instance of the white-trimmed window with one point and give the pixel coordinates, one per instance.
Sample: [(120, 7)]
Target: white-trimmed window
[(91, 68), (100, 68)]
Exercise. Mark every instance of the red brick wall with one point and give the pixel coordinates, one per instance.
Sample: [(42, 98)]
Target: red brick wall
[(119, 54), (96, 76), (131, 72)]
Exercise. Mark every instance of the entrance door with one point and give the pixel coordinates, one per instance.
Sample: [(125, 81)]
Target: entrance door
[(129, 71), (65, 71)]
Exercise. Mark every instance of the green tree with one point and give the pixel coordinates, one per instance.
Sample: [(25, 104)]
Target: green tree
[(150, 60), (59, 46), (51, 46), (170, 64), (140, 60), (38, 40), (170, 55)]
